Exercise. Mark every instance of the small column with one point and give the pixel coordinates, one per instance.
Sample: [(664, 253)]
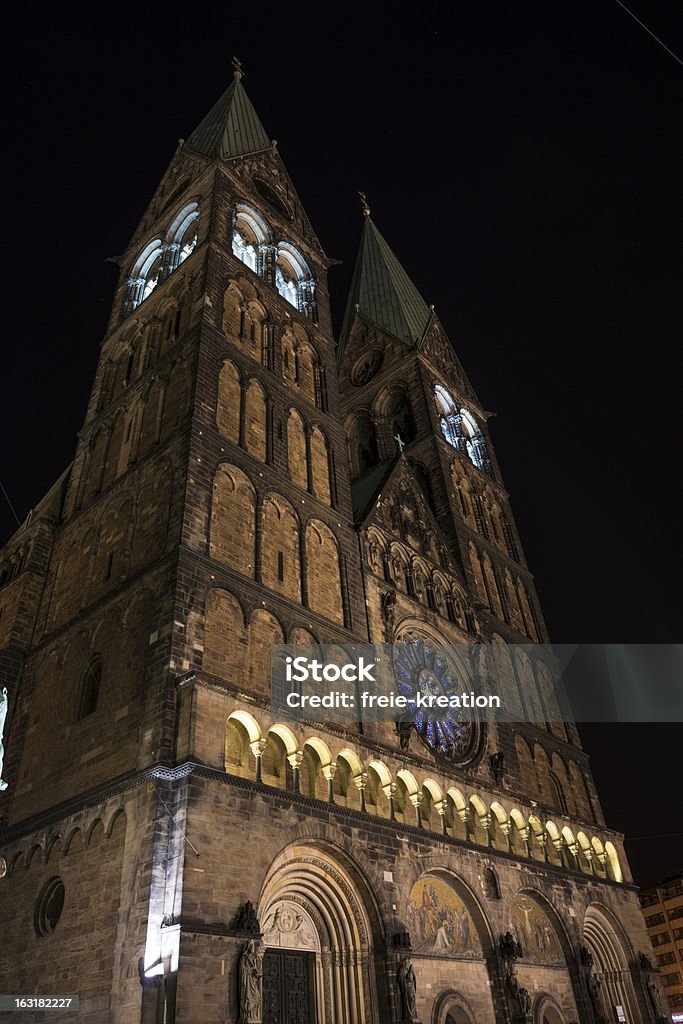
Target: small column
[(295, 761), (361, 782), (542, 840), (440, 806), (329, 772), (506, 829), (486, 821), (574, 851), (588, 854), (464, 815), (390, 793), (526, 836), (257, 747), (416, 801)]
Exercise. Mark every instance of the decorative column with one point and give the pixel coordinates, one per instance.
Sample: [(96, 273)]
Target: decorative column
[(464, 815), (257, 748), (295, 761), (390, 793), (329, 772), (361, 782), (506, 829), (416, 801), (542, 840), (486, 821), (525, 833), (441, 806)]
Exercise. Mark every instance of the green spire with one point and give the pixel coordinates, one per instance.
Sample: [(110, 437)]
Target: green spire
[(232, 127), (382, 292)]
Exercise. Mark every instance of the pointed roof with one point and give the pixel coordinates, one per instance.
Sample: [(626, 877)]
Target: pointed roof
[(383, 292), (232, 127)]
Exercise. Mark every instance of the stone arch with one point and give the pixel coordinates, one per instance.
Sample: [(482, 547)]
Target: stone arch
[(320, 465), (341, 925), (225, 637), (256, 420), (175, 398), (612, 954), (280, 547), (452, 1008), (275, 767), (229, 401), (478, 574), (264, 631), (232, 528), (241, 731), (233, 303), (363, 446), (297, 458), (546, 1010), (317, 757), (349, 770), (323, 571), (112, 547), (492, 590), (150, 428), (378, 789)]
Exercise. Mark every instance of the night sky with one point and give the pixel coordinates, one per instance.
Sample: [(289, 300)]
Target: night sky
[(524, 162)]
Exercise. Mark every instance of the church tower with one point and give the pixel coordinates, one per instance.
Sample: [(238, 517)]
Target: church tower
[(171, 850)]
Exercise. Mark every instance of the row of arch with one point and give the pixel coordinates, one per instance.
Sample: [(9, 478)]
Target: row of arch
[(244, 415), (505, 595), (134, 429), (277, 262), (246, 322), (161, 255), (278, 758), (412, 575), (55, 843), (481, 510), (265, 538), (141, 345), (129, 533)]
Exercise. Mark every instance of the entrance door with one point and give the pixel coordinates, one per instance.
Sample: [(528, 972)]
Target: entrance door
[(288, 987)]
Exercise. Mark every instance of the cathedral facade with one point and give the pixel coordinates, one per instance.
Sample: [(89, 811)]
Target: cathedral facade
[(171, 850)]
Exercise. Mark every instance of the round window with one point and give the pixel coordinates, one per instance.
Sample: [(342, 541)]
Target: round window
[(49, 906)]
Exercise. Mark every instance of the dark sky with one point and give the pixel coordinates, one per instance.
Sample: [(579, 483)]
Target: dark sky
[(524, 162)]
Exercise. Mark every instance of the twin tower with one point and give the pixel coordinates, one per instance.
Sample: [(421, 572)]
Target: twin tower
[(170, 849)]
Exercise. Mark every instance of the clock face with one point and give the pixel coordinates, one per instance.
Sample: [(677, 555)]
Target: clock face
[(366, 367), (419, 668)]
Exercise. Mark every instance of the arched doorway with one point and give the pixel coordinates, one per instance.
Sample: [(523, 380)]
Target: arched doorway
[(452, 1008), (612, 984), (546, 1011), (322, 936)]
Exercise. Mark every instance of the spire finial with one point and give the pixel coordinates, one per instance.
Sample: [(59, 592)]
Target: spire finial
[(364, 204), (237, 64)]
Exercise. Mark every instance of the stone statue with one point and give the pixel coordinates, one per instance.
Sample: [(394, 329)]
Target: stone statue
[(250, 974), (524, 1000), (408, 989), (4, 703), (655, 998), (594, 991), (497, 761)]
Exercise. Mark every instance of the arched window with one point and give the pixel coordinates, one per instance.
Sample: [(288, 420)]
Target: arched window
[(294, 281), (146, 273), (250, 235), (558, 797), (183, 234), (89, 693), (461, 429)]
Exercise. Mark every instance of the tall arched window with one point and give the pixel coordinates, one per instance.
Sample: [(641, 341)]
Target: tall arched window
[(294, 281), (250, 236), (89, 693), (461, 429), (183, 234)]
